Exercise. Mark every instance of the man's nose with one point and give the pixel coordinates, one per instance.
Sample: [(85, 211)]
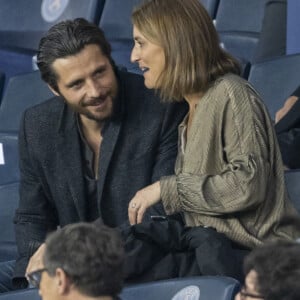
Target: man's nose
[(134, 55), (93, 89)]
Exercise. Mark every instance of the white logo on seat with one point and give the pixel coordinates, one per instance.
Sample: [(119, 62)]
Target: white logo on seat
[(191, 292), (51, 10)]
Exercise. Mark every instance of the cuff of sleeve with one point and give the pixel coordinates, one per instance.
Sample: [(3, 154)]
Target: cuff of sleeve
[(19, 283), (169, 194)]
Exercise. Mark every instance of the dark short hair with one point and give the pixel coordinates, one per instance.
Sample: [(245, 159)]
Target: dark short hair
[(65, 39), (185, 31), (278, 270), (91, 256)]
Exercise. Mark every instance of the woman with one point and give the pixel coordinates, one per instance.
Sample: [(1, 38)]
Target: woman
[(228, 173)]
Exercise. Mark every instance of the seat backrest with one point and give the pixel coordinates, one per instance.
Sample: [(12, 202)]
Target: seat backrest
[(211, 7), (9, 198), (21, 92), (238, 23), (240, 15), (116, 23), (293, 27), (34, 17), (194, 288), (275, 80), (292, 180), (26, 294), (9, 158)]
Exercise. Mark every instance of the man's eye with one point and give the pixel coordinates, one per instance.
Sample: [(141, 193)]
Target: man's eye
[(76, 86)]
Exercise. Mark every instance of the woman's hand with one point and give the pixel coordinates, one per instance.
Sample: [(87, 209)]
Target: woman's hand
[(143, 199)]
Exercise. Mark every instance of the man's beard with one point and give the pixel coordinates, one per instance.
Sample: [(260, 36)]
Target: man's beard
[(82, 109)]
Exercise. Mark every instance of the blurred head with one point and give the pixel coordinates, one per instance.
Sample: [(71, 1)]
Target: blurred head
[(82, 259), (184, 43), (272, 272)]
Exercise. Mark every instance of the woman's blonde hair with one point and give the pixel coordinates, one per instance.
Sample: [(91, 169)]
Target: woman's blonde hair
[(193, 56)]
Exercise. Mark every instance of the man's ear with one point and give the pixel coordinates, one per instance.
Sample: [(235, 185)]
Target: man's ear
[(53, 90), (62, 281)]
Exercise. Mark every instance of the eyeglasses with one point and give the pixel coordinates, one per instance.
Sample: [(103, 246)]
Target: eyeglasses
[(35, 277), (245, 294)]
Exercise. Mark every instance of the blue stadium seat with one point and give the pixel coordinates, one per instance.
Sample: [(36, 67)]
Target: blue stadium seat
[(28, 294), (2, 81), (22, 92), (9, 158), (194, 288), (238, 23), (22, 24), (202, 288), (275, 80), (272, 37), (9, 198), (211, 7), (292, 180), (116, 24), (293, 27)]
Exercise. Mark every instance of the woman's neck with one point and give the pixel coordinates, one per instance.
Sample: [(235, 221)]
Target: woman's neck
[(193, 99)]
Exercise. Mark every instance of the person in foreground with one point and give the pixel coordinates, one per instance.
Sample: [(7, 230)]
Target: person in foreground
[(81, 261), (86, 152), (229, 173), (272, 272)]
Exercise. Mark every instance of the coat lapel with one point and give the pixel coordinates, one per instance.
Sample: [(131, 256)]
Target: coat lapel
[(110, 137)]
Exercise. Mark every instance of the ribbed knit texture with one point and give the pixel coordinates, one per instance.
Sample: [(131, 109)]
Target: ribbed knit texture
[(230, 176)]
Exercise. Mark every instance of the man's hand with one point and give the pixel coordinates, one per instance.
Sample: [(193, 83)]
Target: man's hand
[(36, 260), (143, 199), (286, 108)]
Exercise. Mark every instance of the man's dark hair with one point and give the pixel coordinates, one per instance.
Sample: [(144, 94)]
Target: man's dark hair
[(278, 270), (91, 256), (65, 39)]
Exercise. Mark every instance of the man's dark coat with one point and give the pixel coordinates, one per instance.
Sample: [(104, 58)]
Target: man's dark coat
[(139, 146)]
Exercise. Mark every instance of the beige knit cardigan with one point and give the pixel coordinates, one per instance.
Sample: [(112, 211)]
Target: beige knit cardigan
[(230, 175)]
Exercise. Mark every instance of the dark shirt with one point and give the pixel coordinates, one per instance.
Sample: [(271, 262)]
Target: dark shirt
[(89, 176), (272, 40)]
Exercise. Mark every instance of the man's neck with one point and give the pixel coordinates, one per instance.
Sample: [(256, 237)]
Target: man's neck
[(90, 125), (75, 295)]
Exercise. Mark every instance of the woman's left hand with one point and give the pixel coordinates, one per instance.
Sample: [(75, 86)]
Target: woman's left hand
[(142, 200)]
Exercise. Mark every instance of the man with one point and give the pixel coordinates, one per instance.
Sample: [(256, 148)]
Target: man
[(81, 261), (85, 153), (288, 130), (272, 272)]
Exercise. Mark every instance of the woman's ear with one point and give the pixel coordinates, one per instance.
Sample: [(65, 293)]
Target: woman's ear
[(53, 90)]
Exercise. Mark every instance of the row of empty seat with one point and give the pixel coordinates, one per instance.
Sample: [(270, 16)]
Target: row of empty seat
[(238, 22), (194, 288)]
